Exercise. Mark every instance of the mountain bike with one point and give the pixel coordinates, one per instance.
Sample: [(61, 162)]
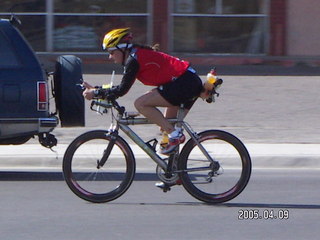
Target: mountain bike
[(99, 166)]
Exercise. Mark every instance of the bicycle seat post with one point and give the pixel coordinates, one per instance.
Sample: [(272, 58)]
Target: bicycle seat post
[(180, 115)]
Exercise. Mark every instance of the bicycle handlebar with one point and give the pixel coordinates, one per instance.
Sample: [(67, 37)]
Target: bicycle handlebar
[(109, 103), (100, 104)]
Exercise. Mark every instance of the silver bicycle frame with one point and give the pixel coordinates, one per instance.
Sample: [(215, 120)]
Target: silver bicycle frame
[(123, 125)]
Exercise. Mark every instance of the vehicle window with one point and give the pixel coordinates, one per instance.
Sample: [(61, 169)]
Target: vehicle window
[(8, 57)]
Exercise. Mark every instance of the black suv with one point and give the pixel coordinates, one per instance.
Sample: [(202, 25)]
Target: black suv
[(25, 89)]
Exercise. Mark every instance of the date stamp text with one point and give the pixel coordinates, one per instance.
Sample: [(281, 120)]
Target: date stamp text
[(266, 214)]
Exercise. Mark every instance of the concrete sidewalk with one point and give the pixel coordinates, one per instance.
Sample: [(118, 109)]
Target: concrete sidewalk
[(34, 158)]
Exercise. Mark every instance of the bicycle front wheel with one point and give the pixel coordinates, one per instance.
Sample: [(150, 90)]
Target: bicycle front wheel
[(202, 180), (90, 181)]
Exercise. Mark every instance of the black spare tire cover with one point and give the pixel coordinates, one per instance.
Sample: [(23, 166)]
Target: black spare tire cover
[(68, 93)]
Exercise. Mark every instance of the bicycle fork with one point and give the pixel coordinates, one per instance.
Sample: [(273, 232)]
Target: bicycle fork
[(106, 153)]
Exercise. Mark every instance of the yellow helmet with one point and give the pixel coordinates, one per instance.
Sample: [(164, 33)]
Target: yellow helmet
[(117, 38)]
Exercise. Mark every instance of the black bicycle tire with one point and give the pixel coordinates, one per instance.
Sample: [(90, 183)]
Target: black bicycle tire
[(245, 173), (83, 193)]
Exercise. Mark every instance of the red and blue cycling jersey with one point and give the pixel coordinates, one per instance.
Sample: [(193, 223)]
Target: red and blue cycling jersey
[(151, 68)]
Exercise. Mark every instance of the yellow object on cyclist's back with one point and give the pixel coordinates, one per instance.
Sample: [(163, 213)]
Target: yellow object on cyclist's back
[(208, 85), (211, 79)]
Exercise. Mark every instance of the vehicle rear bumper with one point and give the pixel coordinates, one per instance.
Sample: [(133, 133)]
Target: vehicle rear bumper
[(48, 124), (13, 127)]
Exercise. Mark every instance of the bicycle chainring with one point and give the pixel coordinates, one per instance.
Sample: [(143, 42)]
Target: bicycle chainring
[(169, 178)]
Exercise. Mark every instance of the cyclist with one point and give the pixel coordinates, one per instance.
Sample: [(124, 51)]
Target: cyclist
[(175, 81)]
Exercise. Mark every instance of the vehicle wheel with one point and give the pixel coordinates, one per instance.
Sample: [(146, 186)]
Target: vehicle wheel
[(68, 95), (91, 182), (198, 175)]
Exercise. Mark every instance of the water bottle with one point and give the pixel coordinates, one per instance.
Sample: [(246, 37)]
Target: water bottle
[(211, 79), (208, 85)]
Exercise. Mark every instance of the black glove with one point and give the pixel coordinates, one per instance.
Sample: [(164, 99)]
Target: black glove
[(101, 93)]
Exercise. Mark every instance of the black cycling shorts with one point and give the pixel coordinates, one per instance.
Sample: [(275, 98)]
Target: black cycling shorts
[(184, 89)]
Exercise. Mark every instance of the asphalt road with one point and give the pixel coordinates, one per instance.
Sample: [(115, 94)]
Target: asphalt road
[(286, 201)]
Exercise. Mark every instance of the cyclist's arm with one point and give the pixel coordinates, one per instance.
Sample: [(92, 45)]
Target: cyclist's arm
[(130, 72)]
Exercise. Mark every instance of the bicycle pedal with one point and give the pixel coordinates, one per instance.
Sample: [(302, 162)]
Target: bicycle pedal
[(165, 187)]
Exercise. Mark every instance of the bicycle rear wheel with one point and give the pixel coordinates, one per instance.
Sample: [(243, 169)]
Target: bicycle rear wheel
[(91, 182), (198, 175)]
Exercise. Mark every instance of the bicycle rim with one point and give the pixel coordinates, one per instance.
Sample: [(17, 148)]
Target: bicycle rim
[(93, 183), (198, 176)]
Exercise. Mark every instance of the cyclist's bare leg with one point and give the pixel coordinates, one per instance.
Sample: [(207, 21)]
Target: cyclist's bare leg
[(171, 112), (147, 105)]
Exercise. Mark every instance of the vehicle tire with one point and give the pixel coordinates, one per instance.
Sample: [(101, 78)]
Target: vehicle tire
[(68, 95), (98, 184), (201, 180)]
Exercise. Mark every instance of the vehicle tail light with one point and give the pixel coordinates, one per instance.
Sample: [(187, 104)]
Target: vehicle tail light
[(42, 96)]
